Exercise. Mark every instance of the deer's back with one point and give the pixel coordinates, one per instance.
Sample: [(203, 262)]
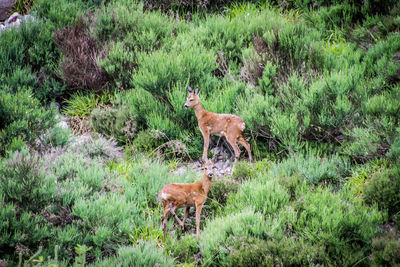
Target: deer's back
[(220, 124)]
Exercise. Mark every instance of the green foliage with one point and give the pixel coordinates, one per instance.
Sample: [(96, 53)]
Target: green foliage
[(81, 105), (316, 84), (116, 122), (23, 183), (56, 137), (386, 249), (28, 57), (97, 147), (264, 195), (339, 224), (20, 227), (313, 169), (148, 140), (22, 115), (221, 232), (183, 249), (243, 171), (119, 63), (384, 189), (361, 174), (144, 254)]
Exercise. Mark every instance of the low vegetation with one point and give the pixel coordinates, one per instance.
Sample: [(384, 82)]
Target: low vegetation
[(317, 83)]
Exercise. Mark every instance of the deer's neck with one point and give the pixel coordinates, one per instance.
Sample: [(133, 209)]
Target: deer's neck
[(199, 111), (206, 182)]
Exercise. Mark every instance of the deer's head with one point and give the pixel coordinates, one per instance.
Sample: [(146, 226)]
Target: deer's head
[(193, 98), (208, 167)]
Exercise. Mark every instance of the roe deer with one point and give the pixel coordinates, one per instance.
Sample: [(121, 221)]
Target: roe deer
[(174, 196), (228, 125)]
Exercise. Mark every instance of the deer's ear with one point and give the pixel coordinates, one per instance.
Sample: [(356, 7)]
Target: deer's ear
[(197, 91), (189, 89)]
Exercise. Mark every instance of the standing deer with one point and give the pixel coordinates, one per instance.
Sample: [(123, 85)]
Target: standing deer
[(174, 196), (228, 125)]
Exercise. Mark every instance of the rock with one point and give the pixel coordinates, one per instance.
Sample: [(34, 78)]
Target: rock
[(5, 9)]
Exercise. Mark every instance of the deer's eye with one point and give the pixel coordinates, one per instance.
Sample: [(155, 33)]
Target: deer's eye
[(190, 100)]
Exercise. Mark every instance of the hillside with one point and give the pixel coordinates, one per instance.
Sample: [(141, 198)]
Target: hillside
[(93, 125)]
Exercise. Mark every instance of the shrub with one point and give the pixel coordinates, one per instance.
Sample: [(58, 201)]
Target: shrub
[(338, 223), (384, 189), (183, 249), (149, 140), (23, 183), (243, 171), (96, 147), (144, 254), (21, 114), (55, 137), (364, 145), (386, 249), (81, 105), (116, 122), (248, 251), (265, 195), (119, 64), (21, 231), (220, 233), (28, 58), (81, 52), (312, 169)]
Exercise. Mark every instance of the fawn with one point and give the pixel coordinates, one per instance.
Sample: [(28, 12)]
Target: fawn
[(228, 125), (176, 195)]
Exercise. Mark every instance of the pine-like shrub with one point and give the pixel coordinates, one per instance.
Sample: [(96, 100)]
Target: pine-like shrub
[(383, 189), (144, 254), (22, 115), (116, 122)]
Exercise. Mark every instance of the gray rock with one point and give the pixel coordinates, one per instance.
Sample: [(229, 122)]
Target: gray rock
[(5, 9)]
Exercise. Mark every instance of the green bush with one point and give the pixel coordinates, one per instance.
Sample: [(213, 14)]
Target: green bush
[(119, 63), (97, 147), (313, 169), (220, 233), (338, 223), (384, 189), (23, 183), (144, 254), (29, 55), (116, 122), (149, 140), (22, 115), (21, 230), (243, 171), (56, 137), (386, 249), (183, 249), (266, 196)]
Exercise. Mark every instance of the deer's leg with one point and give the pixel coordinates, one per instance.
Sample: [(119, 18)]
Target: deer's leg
[(199, 207), (172, 210), (206, 138), (185, 216), (166, 211), (246, 146), (232, 142)]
